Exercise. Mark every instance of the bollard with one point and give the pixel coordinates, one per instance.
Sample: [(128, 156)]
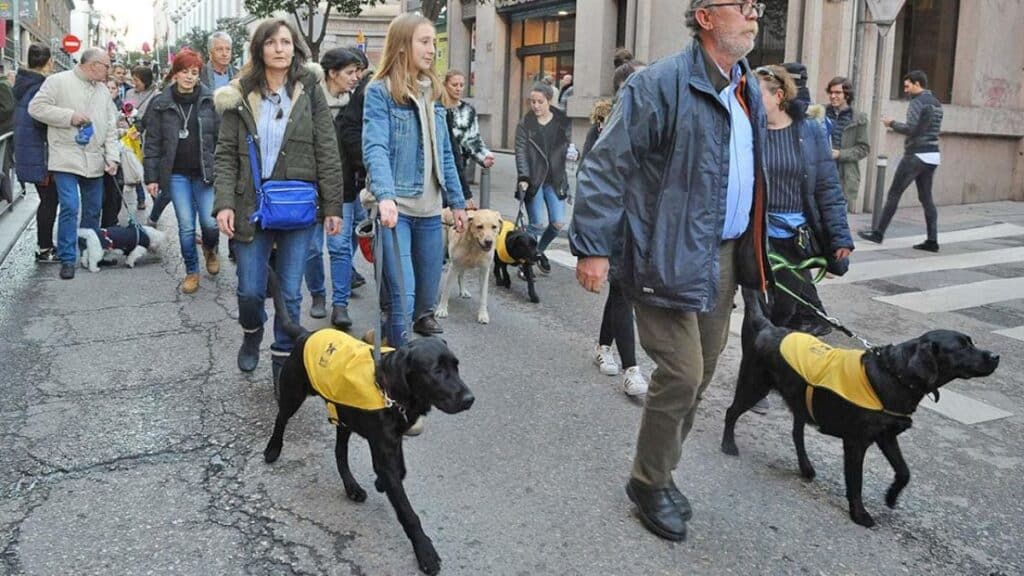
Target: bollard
[(485, 188), (876, 212)]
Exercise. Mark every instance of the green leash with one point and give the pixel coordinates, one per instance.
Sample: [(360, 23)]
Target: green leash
[(779, 264)]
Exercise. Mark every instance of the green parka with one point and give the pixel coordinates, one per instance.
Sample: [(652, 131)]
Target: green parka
[(854, 147), (309, 151)]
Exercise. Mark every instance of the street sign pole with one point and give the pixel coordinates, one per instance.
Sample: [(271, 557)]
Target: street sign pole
[(883, 15), (16, 25)]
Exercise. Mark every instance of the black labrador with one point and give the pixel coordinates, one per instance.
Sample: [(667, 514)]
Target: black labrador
[(421, 374), (522, 247), (901, 375)]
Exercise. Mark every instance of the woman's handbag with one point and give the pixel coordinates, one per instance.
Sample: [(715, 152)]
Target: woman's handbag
[(281, 204)]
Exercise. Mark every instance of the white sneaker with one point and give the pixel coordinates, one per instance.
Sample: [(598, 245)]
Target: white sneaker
[(634, 383), (605, 360)]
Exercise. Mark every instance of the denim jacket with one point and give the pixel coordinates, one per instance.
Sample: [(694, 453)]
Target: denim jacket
[(393, 149)]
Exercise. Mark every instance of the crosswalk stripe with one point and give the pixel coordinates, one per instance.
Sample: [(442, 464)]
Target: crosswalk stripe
[(959, 296), (561, 257), (963, 409), (1016, 333), (966, 235), (861, 271)]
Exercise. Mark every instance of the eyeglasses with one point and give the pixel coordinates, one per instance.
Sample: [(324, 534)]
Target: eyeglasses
[(763, 70), (746, 8)]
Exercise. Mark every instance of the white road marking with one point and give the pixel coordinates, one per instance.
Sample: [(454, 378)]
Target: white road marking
[(967, 235), (1016, 333), (861, 271), (963, 409), (958, 297)]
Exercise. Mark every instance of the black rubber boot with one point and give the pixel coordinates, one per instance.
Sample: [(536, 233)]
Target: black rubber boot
[(249, 353)]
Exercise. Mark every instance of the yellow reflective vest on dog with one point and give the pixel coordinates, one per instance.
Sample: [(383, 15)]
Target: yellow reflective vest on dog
[(822, 366), (499, 243), (342, 371)]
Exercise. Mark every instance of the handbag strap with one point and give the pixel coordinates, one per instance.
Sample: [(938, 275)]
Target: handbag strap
[(254, 163), (378, 259)]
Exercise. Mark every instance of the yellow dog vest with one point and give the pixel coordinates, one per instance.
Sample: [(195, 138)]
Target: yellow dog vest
[(822, 366), (499, 243), (342, 371)]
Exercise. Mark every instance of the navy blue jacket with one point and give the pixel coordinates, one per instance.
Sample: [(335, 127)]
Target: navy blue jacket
[(29, 133), (651, 195), (823, 200)]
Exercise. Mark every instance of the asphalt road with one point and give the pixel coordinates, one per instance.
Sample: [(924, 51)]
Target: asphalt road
[(133, 445)]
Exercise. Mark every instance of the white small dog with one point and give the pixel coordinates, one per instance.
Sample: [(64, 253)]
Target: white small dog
[(471, 249), (127, 241)]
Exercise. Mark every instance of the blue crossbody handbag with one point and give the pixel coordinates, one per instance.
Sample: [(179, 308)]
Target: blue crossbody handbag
[(281, 204)]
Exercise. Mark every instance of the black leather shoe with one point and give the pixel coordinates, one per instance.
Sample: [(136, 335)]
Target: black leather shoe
[(657, 510), (249, 353), (427, 326), (67, 271), (357, 280), (340, 319), (870, 236), (681, 501), (927, 246), (814, 328), (318, 309)]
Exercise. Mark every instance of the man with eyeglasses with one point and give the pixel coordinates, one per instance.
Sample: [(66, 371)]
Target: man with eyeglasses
[(672, 198), (82, 140)]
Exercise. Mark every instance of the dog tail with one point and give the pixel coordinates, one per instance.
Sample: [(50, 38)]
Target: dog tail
[(754, 309), (288, 324)]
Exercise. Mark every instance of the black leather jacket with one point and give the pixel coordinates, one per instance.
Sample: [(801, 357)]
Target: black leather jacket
[(533, 162)]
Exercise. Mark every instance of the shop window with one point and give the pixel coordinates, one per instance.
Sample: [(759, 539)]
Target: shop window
[(926, 40)]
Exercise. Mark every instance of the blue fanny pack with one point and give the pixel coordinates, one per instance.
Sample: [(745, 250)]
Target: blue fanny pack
[(281, 204)]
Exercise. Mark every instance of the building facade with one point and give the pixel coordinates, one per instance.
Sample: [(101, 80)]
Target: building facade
[(181, 16), (45, 21), (972, 51)]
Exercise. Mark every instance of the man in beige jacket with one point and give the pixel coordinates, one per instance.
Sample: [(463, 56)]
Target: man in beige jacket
[(81, 145)]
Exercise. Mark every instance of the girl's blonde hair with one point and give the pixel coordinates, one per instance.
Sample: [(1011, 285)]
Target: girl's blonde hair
[(396, 64)]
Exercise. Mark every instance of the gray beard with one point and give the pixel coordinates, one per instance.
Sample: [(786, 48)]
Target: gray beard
[(736, 47)]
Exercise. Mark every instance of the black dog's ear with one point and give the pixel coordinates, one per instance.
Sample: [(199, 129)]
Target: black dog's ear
[(922, 365), (394, 367)]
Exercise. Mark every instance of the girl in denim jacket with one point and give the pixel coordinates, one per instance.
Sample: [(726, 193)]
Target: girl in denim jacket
[(408, 157)]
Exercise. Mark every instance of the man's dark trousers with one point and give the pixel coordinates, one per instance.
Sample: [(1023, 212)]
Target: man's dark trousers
[(912, 169)]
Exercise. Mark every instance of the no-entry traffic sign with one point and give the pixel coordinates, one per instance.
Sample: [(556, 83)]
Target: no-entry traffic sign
[(71, 43)]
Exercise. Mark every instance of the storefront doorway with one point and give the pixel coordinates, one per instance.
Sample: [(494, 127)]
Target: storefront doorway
[(541, 44)]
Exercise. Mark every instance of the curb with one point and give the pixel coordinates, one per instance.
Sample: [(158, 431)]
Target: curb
[(14, 222)]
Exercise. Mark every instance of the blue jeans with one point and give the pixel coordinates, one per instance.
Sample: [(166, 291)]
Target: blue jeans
[(193, 198), (556, 216), (339, 248), (252, 263), (90, 205), (420, 248)]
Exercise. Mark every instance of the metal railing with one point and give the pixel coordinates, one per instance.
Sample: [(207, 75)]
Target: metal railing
[(9, 191)]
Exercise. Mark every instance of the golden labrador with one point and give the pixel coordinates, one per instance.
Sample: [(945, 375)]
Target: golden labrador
[(472, 249)]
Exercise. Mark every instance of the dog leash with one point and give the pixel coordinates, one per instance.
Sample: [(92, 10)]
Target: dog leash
[(378, 272), (131, 219), (780, 264)]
